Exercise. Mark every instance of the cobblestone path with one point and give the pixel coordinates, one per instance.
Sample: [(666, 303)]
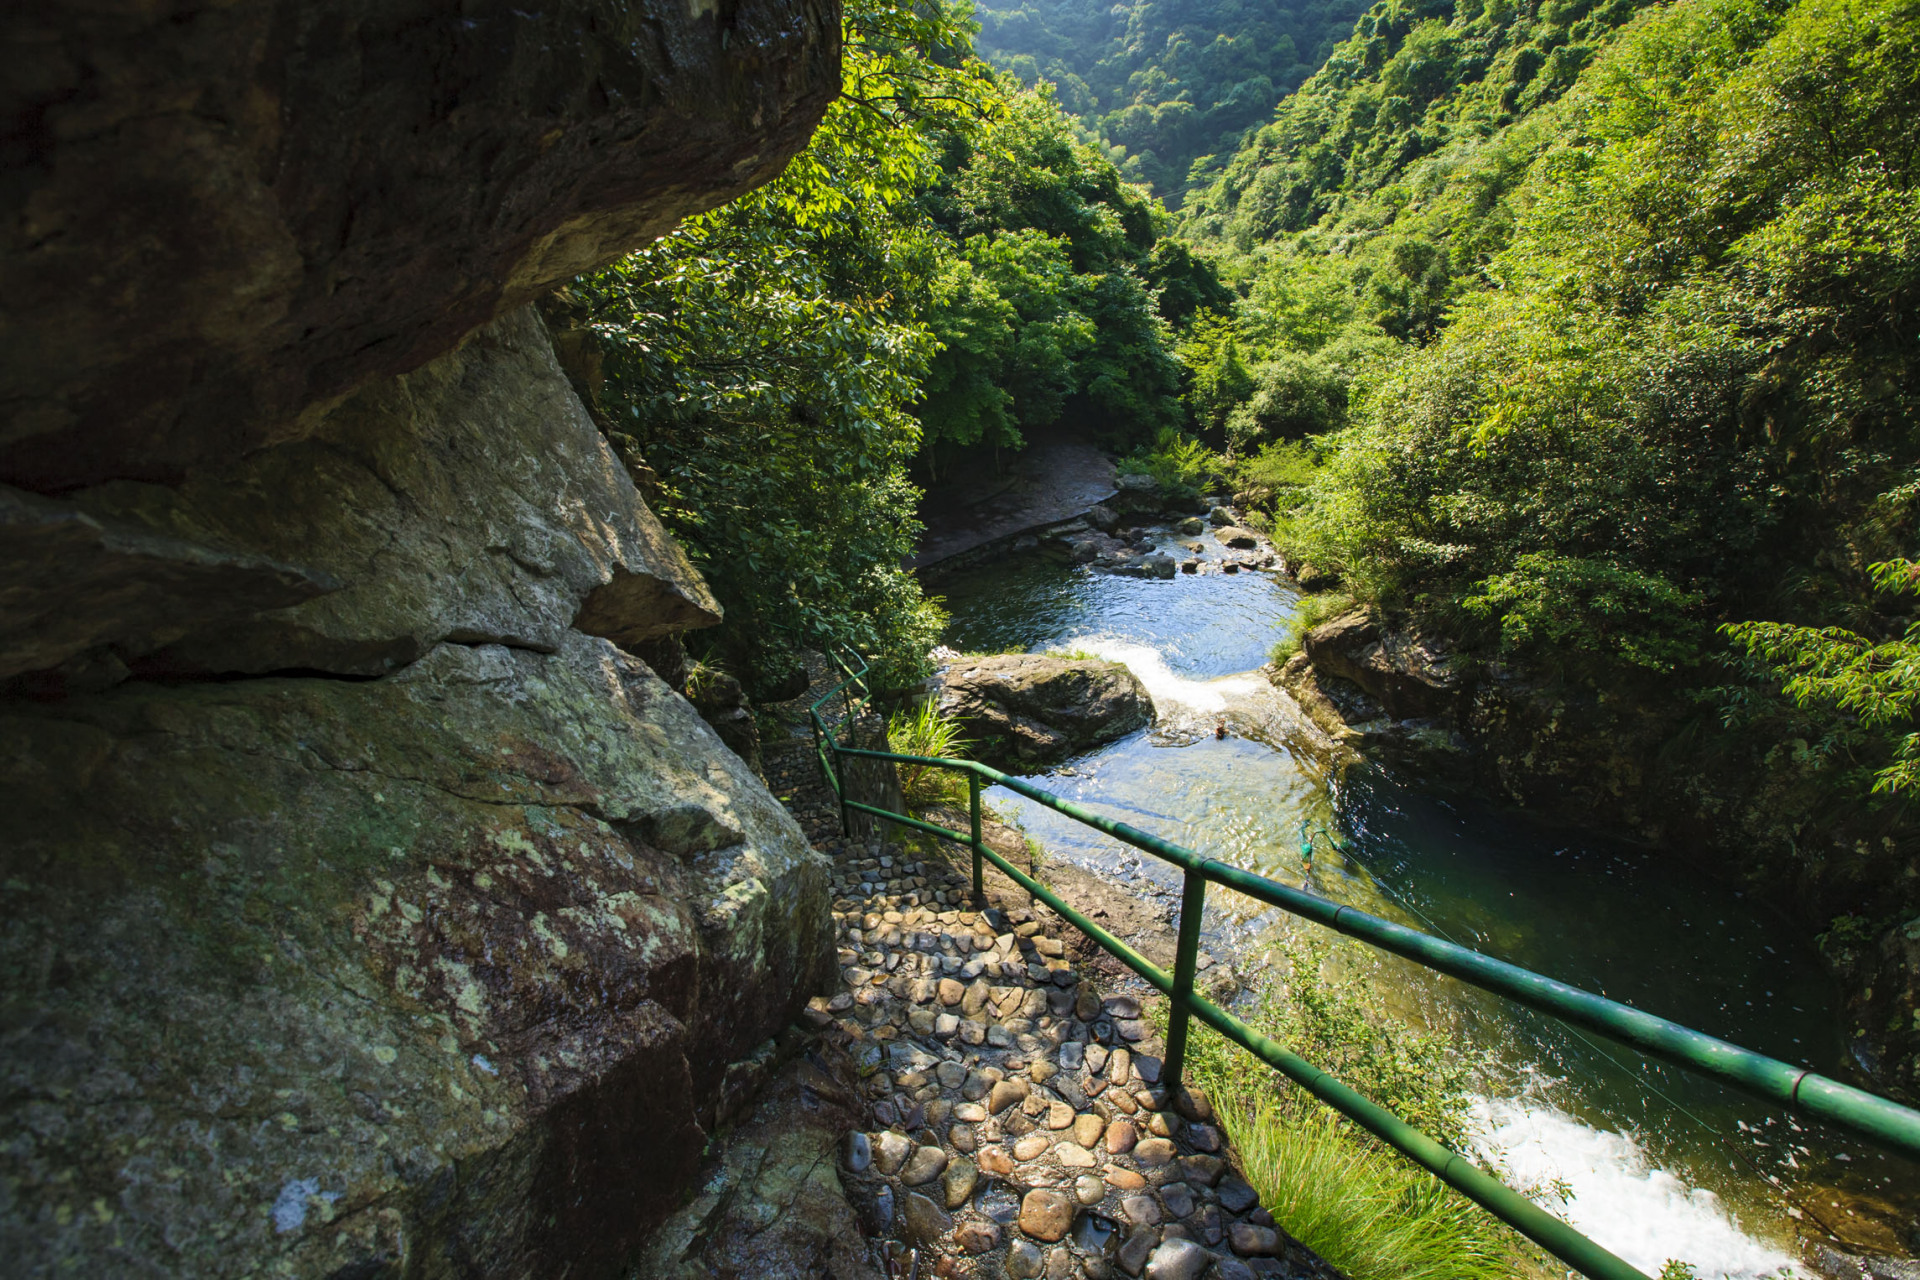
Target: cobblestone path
[(1017, 1122)]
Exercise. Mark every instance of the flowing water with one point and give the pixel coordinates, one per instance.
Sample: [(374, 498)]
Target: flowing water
[(1652, 1162)]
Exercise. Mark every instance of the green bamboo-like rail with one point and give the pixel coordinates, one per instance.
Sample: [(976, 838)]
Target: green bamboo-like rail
[(1876, 1119)]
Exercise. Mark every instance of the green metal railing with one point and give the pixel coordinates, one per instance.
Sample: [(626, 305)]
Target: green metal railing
[(1876, 1119)]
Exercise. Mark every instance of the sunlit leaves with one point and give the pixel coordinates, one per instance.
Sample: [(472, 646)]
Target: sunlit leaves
[(764, 357)]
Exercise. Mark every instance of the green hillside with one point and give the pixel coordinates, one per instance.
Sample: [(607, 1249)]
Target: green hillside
[(1166, 86)]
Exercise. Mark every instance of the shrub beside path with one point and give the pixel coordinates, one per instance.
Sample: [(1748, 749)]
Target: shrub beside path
[(1017, 1124)]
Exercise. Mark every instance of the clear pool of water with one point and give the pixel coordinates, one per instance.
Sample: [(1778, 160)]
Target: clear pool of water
[(1660, 1163)]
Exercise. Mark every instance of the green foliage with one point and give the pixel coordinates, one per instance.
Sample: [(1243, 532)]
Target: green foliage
[(1218, 377), (1356, 1203), (1279, 474), (1571, 608), (1296, 395), (762, 358), (1182, 465), (1846, 935), (1166, 88), (700, 675), (1682, 404), (1876, 683), (924, 731), (1386, 185), (1044, 304)]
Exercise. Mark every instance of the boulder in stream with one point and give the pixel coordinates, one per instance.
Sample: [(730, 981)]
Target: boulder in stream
[(1235, 536), (1412, 674), (1022, 709)]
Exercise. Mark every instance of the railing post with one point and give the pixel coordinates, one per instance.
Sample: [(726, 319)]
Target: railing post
[(840, 770), (1193, 901), (973, 814)]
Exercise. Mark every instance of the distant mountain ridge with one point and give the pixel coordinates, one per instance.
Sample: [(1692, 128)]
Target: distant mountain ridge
[(1168, 87)]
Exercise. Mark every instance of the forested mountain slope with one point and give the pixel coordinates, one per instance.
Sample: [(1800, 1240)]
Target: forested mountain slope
[(1611, 370), (1380, 192), (1166, 86)]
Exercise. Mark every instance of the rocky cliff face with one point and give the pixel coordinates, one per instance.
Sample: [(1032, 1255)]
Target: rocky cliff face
[(370, 909), (222, 218)]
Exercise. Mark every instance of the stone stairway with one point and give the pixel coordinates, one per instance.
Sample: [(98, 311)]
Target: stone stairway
[(1016, 1120)]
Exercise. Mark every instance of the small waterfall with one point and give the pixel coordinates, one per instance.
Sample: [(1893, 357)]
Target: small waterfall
[(1619, 1197), (1185, 709)]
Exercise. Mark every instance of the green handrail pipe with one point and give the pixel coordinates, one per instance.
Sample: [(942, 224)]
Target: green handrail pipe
[(1458, 1172), (1880, 1121), (1877, 1119)]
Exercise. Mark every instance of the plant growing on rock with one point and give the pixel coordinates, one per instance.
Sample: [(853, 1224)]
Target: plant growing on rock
[(1356, 1203), (924, 731), (1179, 464)]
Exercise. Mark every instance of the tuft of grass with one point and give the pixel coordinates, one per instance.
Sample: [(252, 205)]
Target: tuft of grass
[(1073, 655), (1367, 1212), (1308, 613), (700, 674), (1354, 1201), (924, 731)]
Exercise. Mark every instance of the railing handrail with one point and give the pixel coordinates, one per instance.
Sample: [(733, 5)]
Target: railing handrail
[(1877, 1119), (1867, 1115)]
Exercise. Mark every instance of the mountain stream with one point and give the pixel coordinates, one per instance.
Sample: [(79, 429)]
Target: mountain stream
[(1651, 1161)]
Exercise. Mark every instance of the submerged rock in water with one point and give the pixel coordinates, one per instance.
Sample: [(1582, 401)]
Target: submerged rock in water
[(1025, 709)]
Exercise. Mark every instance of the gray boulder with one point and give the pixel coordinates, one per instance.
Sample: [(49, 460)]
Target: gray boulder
[(453, 947), (1235, 536), (1027, 709), (1411, 674), (471, 500)]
